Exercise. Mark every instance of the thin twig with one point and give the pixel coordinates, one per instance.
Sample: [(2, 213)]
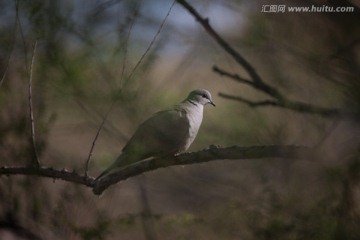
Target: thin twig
[(95, 116), (152, 41), (249, 102), (126, 43), (35, 159), (294, 105), (235, 77), (24, 42), (95, 139)]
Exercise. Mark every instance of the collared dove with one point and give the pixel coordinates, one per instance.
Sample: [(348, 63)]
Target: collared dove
[(167, 132)]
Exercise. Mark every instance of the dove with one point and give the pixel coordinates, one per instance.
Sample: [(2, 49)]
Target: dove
[(167, 132)]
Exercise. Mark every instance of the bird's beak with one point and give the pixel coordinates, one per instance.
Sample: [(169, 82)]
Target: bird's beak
[(212, 103)]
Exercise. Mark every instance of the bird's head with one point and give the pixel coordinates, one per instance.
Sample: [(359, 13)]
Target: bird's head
[(200, 96)]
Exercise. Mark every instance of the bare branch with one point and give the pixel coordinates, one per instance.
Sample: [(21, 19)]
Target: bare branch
[(95, 139), (238, 58), (23, 39), (49, 173), (210, 154), (254, 76), (152, 41), (293, 105), (35, 158), (249, 102), (125, 47), (256, 81), (235, 77)]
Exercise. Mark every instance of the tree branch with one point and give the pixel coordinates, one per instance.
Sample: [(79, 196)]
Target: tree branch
[(232, 76), (210, 154), (249, 102), (35, 158), (238, 58), (49, 173), (152, 41), (96, 137), (206, 155), (292, 105), (256, 81), (280, 100)]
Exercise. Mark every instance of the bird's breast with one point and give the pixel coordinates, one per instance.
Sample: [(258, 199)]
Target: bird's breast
[(195, 116)]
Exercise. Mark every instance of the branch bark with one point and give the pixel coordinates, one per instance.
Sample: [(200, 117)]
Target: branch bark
[(210, 154), (48, 172), (206, 155)]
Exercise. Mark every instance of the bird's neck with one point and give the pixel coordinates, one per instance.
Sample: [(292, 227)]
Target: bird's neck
[(192, 102), (192, 106)]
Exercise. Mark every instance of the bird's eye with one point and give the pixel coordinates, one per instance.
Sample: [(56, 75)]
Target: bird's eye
[(204, 96)]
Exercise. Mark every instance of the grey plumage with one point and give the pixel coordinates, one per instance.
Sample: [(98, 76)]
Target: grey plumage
[(167, 132)]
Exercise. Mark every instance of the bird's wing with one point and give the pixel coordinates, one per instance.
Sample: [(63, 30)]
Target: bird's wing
[(166, 132)]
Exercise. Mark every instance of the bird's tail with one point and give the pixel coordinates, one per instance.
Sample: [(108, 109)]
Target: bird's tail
[(119, 163)]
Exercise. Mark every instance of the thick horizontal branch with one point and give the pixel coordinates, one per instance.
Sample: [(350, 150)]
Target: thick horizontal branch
[(49, 173), (210, 154)]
